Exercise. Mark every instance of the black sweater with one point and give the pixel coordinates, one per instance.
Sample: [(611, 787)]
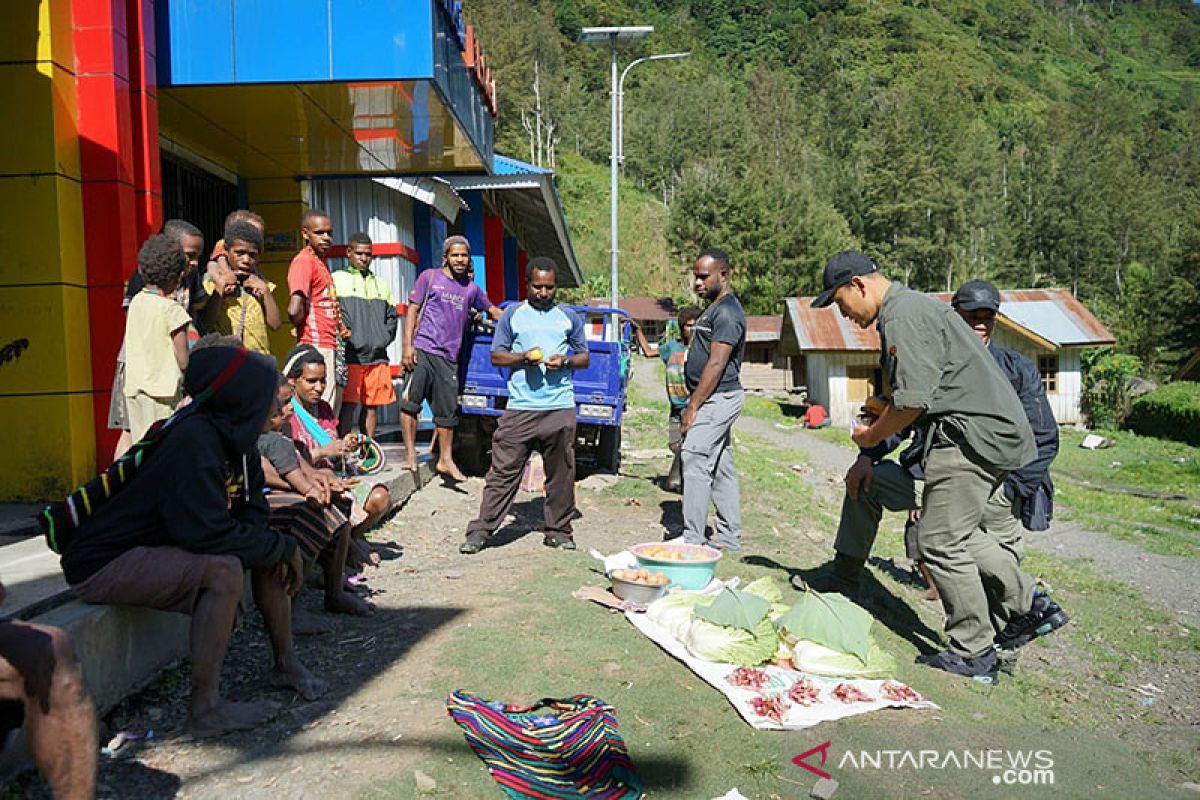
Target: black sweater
[(181, 497)]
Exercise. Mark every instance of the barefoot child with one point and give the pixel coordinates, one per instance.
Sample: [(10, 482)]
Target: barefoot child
[(313, 426), (301, 507), (156, 346)]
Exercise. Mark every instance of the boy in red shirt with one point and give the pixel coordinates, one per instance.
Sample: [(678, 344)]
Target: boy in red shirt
[(313, 305)]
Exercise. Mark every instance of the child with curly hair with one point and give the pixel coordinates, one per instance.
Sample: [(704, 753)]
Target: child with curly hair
[(156, 346)]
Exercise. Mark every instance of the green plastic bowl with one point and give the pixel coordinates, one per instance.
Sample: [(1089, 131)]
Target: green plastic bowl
[(694, 571)]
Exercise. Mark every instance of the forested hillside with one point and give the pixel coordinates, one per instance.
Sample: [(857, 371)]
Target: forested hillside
[(1032, 142)]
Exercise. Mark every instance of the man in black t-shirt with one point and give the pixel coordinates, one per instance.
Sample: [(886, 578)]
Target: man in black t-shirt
[(711, 372)]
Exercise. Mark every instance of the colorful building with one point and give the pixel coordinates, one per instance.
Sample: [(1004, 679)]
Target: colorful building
[(136, 111)]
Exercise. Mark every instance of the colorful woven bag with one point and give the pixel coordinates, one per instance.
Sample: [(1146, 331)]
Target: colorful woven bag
[(553, 749)]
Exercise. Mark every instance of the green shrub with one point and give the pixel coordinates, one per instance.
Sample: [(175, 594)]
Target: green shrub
[(1170, 412), (1106, 379)]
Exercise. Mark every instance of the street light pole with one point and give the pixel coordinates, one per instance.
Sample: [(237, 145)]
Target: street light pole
[(611, 36), (621, 98), (614, 102)]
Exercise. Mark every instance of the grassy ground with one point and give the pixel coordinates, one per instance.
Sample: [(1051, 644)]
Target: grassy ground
[(1071, 695), (1100, 489), (1142, 489)]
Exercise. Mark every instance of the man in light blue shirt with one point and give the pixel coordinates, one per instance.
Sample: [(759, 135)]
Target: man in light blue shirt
[(540, 343)]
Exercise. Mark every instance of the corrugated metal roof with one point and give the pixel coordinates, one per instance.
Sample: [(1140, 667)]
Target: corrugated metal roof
[(503, 165), (1051, 314), (825, 329), (641, 308), (763, 327), (531, 208)]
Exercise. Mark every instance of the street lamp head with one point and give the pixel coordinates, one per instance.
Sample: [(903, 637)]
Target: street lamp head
[(626, 33)]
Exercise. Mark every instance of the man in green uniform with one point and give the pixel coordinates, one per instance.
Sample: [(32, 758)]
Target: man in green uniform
[(943, 381)]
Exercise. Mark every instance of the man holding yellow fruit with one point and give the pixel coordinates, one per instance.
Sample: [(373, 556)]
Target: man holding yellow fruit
[(540, 343)]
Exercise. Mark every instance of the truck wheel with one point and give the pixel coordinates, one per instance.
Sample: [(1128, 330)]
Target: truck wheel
[(471, 446), (610, 449)]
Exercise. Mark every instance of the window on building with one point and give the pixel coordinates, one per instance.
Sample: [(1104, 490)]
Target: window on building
[(1048, 367)]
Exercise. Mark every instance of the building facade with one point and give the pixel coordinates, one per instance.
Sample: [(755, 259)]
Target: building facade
[(136, 111)]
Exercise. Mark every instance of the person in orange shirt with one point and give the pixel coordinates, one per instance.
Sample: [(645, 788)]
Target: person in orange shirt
[(313, 305)]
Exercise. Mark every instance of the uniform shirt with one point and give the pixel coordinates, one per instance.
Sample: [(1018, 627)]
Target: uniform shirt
[(369, 313), (724, 321), (674, 356), (242, 315), (445, 307), (555, 331), (150, 365), (309, 276), (933, 361)]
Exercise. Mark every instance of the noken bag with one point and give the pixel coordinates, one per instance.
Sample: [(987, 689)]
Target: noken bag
[(553, 749)]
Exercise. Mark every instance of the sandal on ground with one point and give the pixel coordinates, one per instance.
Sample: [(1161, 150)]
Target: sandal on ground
[(473, 544), (560, 540)]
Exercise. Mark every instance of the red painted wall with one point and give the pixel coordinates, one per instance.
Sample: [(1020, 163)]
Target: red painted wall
[(119, 161), (493, 254)]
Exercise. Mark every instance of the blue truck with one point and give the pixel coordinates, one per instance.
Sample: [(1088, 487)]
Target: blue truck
[(599, 394)]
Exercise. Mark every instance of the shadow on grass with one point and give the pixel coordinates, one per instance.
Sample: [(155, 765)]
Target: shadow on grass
[(876, 598), (113, 782), (529, 519), (360, 649)]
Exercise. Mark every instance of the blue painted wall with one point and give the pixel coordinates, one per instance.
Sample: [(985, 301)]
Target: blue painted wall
[(293, 41), (429, 231), (472, 228)]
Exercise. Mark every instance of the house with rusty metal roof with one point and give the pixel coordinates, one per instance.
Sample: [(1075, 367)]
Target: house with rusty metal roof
[(839, 362)]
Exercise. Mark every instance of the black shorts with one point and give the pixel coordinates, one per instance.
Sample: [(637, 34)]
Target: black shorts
[(434, 379)]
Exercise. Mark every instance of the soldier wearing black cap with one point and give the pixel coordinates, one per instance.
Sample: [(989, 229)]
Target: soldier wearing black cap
[(943, 382)]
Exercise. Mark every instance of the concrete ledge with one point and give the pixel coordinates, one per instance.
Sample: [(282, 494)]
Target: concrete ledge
[(121, 648)]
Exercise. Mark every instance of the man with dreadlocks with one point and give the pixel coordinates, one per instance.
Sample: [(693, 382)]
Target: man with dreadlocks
[(439, 308), (178, 532)]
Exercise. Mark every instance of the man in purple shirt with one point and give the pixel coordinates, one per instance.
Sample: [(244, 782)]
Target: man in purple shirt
[(439, 306)]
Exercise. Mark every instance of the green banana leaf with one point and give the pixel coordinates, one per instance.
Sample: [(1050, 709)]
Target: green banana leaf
[(830, 620), (735, 609)]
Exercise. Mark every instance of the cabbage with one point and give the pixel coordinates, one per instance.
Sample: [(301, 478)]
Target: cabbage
[(673, 611), (830, 620), (777, 611), (730, 645), (767, 589), (819, 660)]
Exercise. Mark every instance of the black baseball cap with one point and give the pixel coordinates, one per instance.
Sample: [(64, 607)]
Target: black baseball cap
[(838, 272), (974, 295)]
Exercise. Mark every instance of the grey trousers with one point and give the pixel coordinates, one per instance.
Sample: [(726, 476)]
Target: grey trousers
[(675, 445), (709, 475), (980, 579)]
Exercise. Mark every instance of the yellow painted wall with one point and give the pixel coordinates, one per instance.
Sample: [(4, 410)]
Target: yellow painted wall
[(46, 392), (281, 202)]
